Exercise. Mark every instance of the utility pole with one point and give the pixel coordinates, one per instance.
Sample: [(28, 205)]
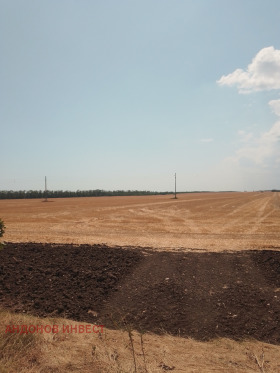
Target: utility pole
[(175, 195), (46, 195)]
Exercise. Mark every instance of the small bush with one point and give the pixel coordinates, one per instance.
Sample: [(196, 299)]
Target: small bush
[(2, 231), (2, 228)]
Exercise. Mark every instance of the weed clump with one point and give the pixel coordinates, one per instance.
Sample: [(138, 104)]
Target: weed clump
[(2, 231), (17, 351)]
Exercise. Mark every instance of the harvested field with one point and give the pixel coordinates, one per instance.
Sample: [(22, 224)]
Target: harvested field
[(208, 221), (204, 266), (198, 295)]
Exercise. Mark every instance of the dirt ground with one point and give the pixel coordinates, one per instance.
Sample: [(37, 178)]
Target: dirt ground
[(208, 221), (204, 266), (198, 295)]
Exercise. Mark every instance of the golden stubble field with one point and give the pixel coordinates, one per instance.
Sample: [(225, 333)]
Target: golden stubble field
[(210, 221)]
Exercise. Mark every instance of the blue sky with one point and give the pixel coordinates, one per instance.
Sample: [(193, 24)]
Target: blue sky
[(123, 94)]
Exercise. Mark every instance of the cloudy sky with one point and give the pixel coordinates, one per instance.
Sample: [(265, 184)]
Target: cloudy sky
[(123, 94)]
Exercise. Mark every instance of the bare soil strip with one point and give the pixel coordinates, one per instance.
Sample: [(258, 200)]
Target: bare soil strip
[(191, 294)]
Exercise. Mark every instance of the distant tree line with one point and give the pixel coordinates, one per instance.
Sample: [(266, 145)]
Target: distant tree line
[(21, 194)]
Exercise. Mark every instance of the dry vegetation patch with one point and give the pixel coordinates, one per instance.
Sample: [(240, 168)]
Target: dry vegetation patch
[(113, 352)]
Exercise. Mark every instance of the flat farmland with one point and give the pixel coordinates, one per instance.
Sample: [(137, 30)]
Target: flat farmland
[(204, 267), (208, 221)]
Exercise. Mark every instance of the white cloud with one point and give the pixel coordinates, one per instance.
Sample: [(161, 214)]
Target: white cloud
[(262, 150), (206, 140), (245, 136), (262, 74), (275, 105), (258, 157)]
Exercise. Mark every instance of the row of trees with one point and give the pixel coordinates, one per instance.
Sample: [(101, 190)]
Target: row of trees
[(20, 194)]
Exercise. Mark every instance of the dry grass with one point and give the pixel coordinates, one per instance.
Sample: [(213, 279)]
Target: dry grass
[(18, 352), (125, 351)]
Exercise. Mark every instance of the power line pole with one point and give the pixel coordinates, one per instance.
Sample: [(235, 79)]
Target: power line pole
[(175, 195), (46, 194)]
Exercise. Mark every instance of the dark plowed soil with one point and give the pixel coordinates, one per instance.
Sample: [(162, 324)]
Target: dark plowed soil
[(199, 295)]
